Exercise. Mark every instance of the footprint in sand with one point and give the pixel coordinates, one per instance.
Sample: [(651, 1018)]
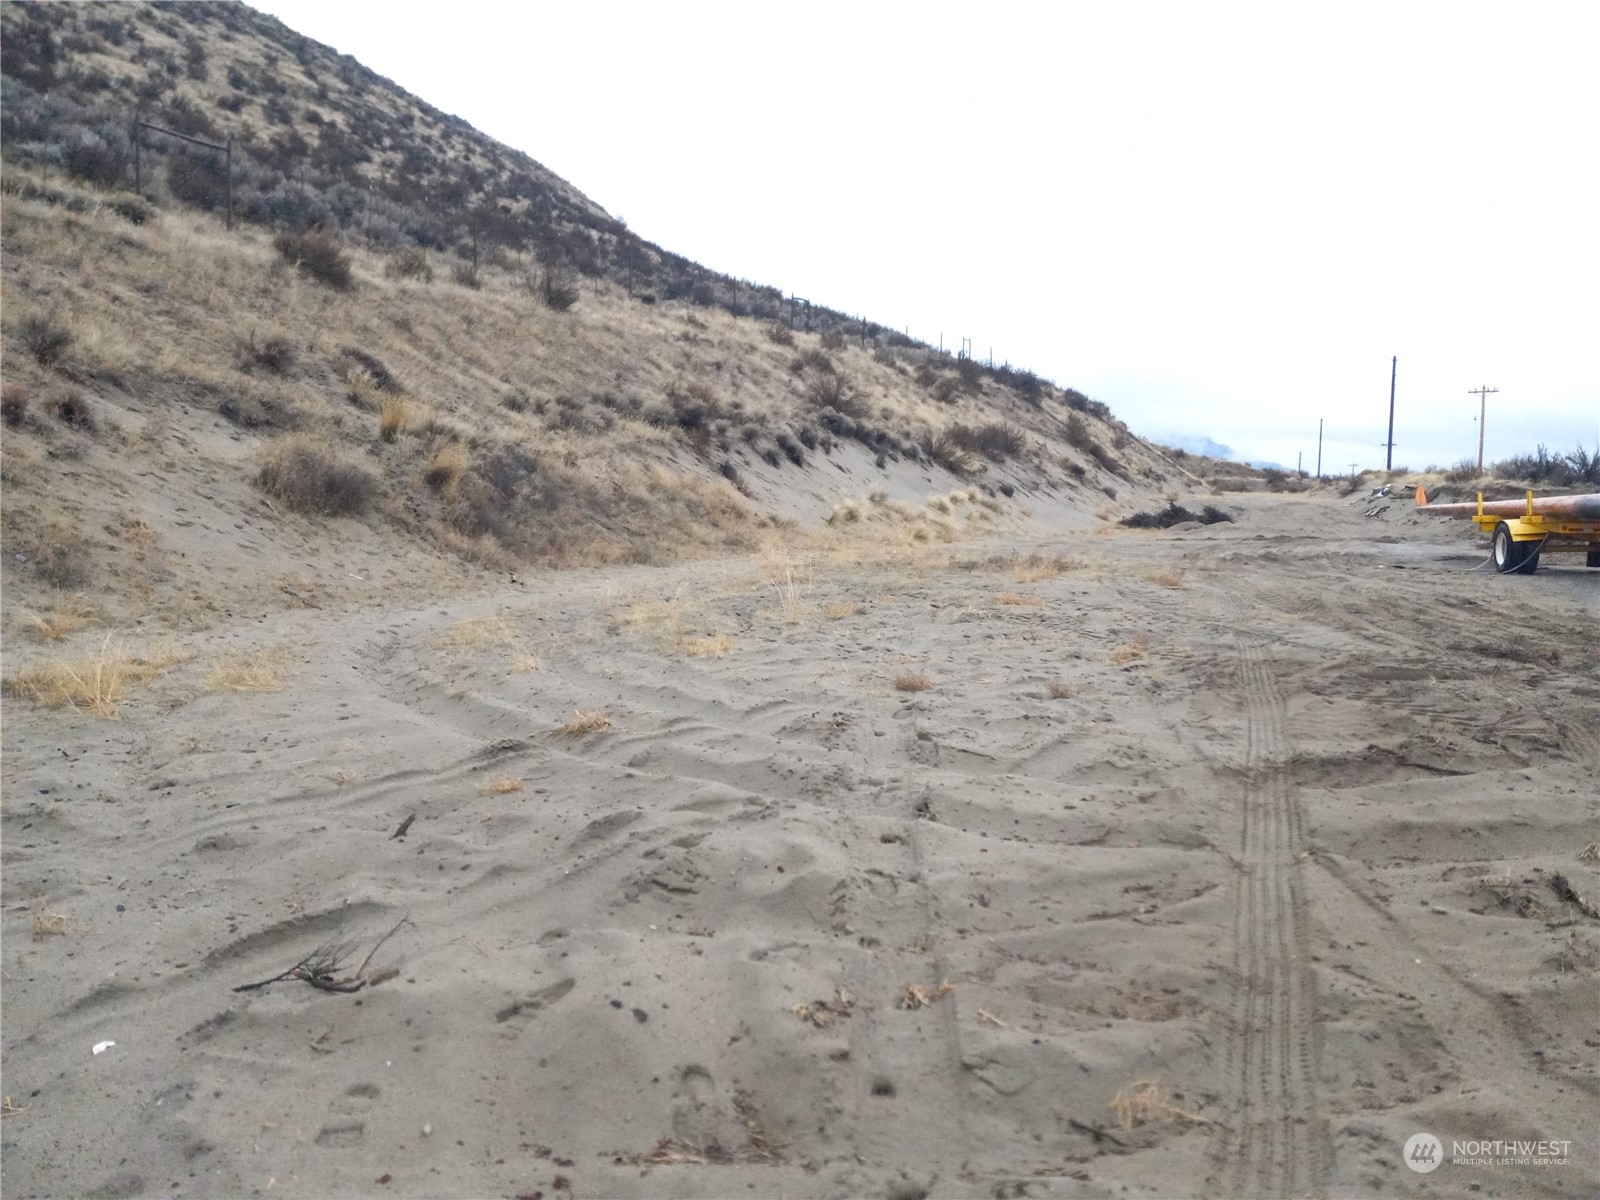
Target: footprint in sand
[(536, 1002), (347, 1116), (704, 1111)]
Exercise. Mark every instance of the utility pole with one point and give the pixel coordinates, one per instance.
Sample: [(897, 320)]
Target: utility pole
[(1319, 448), (1353, 467), (1299, 455), (1483, 394), (1394, 366)]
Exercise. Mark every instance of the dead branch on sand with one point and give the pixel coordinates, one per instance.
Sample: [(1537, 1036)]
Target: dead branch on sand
[(1143, 1101), (914, 995), (321, 968)]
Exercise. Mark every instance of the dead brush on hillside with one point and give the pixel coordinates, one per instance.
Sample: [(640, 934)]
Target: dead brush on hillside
[(62, 556), (913, 681)]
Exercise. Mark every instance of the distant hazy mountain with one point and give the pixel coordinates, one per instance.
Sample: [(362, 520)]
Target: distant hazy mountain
[(1195, 445)]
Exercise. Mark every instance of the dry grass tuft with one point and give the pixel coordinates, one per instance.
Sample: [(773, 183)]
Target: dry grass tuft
[(1036, 568), (261, 671), (715, 646), (1143, 1101), (1169, 577), (71, 617), (1131, 651), (93, 684), (1590, 853), (583, 722), (789, 587), (914, 995), (393, 415), (1026, 599), (478, 634), (1061, 690), (836, 610), (500, 786), (911, 681), (524, 663), (446, 467), (47, 923)]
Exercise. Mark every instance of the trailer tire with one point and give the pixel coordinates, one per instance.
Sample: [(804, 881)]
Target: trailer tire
[(1511, 555)]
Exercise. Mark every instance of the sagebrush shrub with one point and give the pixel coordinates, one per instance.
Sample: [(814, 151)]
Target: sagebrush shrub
[(317, 254), (14, 404), (45, 338), (308, 478), (410, 263)]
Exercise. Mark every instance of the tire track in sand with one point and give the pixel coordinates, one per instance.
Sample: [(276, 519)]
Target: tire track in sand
[(1277, 1143)]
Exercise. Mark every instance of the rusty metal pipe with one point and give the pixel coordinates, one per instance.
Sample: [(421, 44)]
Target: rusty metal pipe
[(1566, 508)]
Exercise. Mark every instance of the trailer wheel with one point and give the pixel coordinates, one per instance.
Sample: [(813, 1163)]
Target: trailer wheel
[(1511, 555)]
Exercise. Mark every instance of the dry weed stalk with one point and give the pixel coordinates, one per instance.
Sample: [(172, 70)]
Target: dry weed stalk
[(8, 1109), (1143, 1101), (914, 995), (1026, 599), (584, 721), (499, 786), (1590, 853), (912, 681), (1061, 690)]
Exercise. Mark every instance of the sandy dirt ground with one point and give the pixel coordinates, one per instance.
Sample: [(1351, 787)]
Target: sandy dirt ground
[(1213, 862)]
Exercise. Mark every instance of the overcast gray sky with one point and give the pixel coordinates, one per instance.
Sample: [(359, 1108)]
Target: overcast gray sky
[(1222, 219)]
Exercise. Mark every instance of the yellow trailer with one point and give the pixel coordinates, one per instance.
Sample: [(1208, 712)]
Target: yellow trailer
[(1523, 529)]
